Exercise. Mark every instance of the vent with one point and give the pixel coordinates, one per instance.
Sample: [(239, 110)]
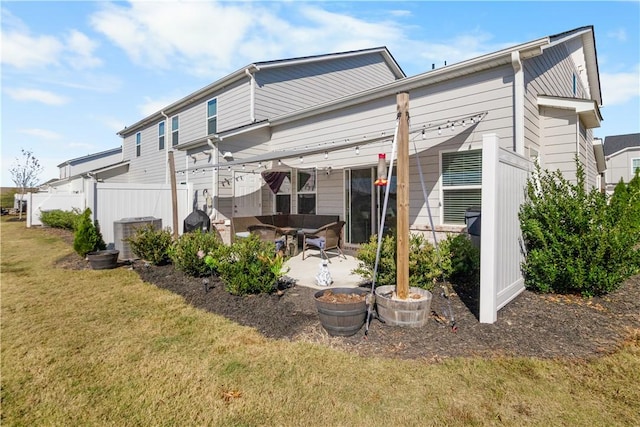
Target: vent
[(125, 228)]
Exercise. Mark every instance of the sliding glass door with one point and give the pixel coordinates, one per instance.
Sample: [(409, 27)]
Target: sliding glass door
[(364, 202)]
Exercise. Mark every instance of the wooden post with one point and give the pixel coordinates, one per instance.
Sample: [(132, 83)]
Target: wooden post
[(174, 195), (402, 255)]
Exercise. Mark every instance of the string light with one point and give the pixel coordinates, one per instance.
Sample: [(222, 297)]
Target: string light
[(357, 150), (424, 136), (301, 159), (439, 130), (326, 154)]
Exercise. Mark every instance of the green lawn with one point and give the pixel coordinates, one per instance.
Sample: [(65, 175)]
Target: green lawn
[(104, 348)]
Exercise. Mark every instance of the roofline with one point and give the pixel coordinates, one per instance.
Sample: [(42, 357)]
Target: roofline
[(257, 66), (593, 73), (68, 162), (615, 153), (491, 60)]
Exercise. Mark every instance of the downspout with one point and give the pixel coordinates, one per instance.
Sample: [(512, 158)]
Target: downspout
[(252, 95), (518, 102), (214, 179), (166, 148)]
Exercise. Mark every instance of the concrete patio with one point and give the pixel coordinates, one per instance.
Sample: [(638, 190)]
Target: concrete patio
[(304, 271)]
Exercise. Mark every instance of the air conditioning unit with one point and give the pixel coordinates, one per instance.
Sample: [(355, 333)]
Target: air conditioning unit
[(125, 228)]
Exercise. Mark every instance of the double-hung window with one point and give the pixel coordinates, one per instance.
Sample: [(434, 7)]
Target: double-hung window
[(175, 125), (138, 143), (307, 191), (161, 135), (212, 116), (461, 184), (635, 165), (283, 195)]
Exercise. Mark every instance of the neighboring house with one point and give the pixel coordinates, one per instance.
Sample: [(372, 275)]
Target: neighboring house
[(622, 155), (76, 173)]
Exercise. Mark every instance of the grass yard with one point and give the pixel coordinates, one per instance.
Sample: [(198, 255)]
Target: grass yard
[(104, 348)]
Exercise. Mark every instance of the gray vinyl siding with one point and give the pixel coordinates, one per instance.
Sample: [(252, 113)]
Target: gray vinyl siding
[(559, 132), (486, 91), (619, 166), (92, 164), (285, 89), (548, 74)]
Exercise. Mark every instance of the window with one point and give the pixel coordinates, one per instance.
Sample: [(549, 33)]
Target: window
[(461, 184), (138, 141), (307, 191), (283, 195), (212, 116), (160, 136), (635, 165), (175, 124)]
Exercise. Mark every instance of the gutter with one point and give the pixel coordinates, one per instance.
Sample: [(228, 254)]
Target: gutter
[(166, 148), (518, 102)]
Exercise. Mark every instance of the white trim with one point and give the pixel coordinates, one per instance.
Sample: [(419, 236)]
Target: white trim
[(586, 109), (518, 101), (441, 185)]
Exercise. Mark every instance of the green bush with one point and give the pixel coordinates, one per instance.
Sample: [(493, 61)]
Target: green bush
[(58, 218), (424, 266), (151, 244), (576, 242), (456, 260), (188, 252), (461, 260), (248, 266), (87, 237)]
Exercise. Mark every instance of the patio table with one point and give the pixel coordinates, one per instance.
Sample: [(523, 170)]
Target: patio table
[(291, 234)]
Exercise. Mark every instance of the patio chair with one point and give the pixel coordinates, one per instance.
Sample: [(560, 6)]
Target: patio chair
[(269, 233), (324, 238)]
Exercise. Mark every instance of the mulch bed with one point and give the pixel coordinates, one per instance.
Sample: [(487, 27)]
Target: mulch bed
[(532, 325)]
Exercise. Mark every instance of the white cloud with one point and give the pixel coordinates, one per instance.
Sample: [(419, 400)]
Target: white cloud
[(618, 88), (41, 133), (42, 96), (24, 51), (400, 13), (619, 34), (81, 49)]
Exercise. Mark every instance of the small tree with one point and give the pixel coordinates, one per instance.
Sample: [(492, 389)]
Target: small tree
[(87, 237), (25, 173)]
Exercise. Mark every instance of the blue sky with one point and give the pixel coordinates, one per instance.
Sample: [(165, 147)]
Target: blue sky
[(75, 73)]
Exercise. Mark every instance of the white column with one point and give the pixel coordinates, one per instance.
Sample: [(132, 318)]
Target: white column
[(488, 241)]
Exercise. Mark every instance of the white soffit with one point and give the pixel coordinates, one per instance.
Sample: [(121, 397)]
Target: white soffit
[(598, 150), (587, 109)]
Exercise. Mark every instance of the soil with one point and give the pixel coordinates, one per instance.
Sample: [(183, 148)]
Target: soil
[(532, 325)]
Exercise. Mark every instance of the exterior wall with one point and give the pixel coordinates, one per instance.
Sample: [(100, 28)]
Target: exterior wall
[(488, 91), (559, 133), (619, 166), (76, 168), (548, 74), (285, 89)]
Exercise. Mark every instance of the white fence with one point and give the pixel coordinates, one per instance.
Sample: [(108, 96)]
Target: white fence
[(504, 179), (113, 202)]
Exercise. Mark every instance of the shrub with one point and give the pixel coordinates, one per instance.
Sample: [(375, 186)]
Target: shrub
[(424, 265), (576, 242), (187, 253), (87, 237), (461, 260), (58, 218), (248, 266), (151, 244)]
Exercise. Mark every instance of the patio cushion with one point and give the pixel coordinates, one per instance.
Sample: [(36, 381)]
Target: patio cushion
[(318, 242)]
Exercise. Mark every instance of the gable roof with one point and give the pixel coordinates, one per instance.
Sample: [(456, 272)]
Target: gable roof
[(616, 143), (257, 66), (93, 156), (470, 66)]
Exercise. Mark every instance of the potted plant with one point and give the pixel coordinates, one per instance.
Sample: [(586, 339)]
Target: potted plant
[(89, 244)]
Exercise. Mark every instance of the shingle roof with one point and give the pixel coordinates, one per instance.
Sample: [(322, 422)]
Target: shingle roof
[(615, 143)]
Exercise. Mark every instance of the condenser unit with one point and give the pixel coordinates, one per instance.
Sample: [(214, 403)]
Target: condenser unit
[(125, 228)]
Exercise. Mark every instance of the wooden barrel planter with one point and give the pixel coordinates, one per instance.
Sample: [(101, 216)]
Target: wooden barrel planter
[(103, 260), (412, 312), (342, 311)]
